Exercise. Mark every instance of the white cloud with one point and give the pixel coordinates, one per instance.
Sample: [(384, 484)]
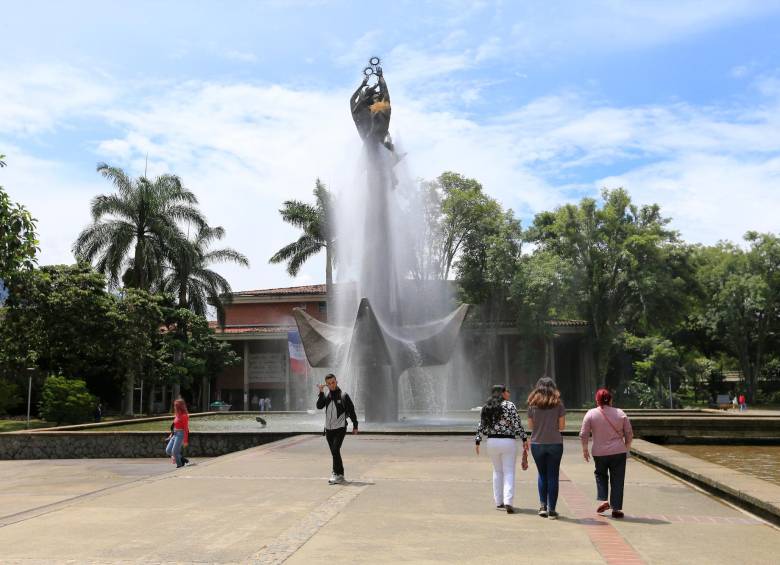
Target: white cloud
[(38, 98), (55, 195), (709, 197)]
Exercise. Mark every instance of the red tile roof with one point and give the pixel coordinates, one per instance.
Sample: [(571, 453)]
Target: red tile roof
[(312, 289)]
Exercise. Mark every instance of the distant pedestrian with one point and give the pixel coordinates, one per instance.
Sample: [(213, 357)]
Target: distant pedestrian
[(500, 422), (261, 404), (98, 415), (338, 407), (267, 404), (735, 402), (547, 419), (612, 435), (742, 403), (181, 432)]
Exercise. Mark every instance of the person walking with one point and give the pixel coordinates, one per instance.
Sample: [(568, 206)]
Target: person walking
[(612, 435), (338, 407), (547, 419), (181, 432), (742, 403), (500, 422)]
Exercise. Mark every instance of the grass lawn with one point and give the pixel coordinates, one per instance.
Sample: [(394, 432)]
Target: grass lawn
[(14, 425)]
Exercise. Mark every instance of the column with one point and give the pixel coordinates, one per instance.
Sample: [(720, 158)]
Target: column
[(286, 359), (552, 359), (506, 363), (246, 376)]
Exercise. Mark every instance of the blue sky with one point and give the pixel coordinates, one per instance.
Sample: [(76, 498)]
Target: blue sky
[(544, 102)]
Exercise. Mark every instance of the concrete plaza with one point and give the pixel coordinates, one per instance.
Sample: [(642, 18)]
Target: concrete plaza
[(413, 499)]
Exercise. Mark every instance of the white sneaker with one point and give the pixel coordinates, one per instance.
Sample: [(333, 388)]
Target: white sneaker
[(340, 479), (334, 478)]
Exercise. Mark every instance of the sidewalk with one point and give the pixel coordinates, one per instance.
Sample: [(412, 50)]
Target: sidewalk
[(414, 499)]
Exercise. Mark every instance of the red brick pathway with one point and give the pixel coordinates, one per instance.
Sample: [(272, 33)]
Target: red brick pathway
[(612, 546)]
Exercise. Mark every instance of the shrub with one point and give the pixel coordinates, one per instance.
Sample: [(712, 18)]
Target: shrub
[(9, 396), (66, 401)]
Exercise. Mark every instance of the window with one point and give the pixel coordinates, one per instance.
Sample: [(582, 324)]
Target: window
[(323, 307)]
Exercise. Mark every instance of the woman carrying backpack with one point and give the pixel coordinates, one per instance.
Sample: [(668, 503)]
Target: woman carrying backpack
[(612, 435), (500, 422)]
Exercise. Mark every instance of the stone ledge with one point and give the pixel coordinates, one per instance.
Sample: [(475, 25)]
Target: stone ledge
[(98, 445), (754, 494)]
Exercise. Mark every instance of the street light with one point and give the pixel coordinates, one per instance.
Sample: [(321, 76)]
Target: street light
[(30, 371)]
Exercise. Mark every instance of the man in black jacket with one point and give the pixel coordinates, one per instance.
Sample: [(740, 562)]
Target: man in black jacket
[(338, 407)]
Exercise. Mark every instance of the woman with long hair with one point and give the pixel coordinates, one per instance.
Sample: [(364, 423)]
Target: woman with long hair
[(612, 435), (181, 432), (547, 419), (500, 422)]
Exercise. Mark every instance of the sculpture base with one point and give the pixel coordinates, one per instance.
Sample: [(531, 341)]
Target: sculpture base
[(379, 396)]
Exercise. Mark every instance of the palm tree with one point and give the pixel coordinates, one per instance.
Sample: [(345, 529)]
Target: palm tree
[(142, 218), (314, 220), (189, 278)]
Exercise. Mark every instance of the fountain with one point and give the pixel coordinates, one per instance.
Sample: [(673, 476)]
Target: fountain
[(390, 333)]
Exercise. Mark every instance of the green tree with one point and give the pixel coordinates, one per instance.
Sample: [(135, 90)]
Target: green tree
[(657, 362), (192, 358), (542, 290), (628, 271), (66, 401), (315, 221), (489, 257), (742, 310), (9, 396), (60, 319), (139, 317), (18, 240), (458, 214), (192, 282), (136, 229)]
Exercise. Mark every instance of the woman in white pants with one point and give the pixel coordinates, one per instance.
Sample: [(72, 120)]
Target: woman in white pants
[(500, 422)]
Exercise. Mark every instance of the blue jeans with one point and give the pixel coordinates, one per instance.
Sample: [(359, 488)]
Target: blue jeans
[(547, 457), (174, 446)]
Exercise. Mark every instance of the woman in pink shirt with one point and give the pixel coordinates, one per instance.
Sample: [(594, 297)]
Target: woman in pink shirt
[(181, 432), (612, 435)]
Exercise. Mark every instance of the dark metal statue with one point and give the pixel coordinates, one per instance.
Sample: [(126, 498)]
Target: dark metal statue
[(370, 105)]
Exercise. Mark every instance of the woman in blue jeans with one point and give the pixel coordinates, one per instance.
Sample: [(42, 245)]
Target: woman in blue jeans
[(547, 419)]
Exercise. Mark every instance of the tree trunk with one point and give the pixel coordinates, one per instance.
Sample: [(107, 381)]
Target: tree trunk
[(138, 263), (204, 394), (150, 402), (129, 393)]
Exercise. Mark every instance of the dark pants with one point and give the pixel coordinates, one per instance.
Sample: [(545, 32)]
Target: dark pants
[(335, 439), (610, 473), (547, 457)]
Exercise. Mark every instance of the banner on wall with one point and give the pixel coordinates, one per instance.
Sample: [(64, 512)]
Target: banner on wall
[(297, 354)]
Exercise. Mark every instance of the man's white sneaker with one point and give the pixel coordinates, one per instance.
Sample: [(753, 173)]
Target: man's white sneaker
[(334, 479), (340, 480)]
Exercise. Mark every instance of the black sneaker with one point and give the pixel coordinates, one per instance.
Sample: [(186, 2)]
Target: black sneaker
[(499, 506), (552, 515), (542, 511), (509, 509)]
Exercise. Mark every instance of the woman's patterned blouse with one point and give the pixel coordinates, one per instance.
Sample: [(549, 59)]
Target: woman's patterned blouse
[(508, 424)]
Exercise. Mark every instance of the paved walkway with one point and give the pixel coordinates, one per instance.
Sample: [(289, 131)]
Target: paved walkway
[(413, 499)]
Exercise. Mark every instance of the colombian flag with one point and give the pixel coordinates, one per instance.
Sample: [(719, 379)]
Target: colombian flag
[(297, 355)]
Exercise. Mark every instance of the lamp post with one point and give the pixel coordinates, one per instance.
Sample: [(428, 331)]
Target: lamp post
[(30, 371)]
